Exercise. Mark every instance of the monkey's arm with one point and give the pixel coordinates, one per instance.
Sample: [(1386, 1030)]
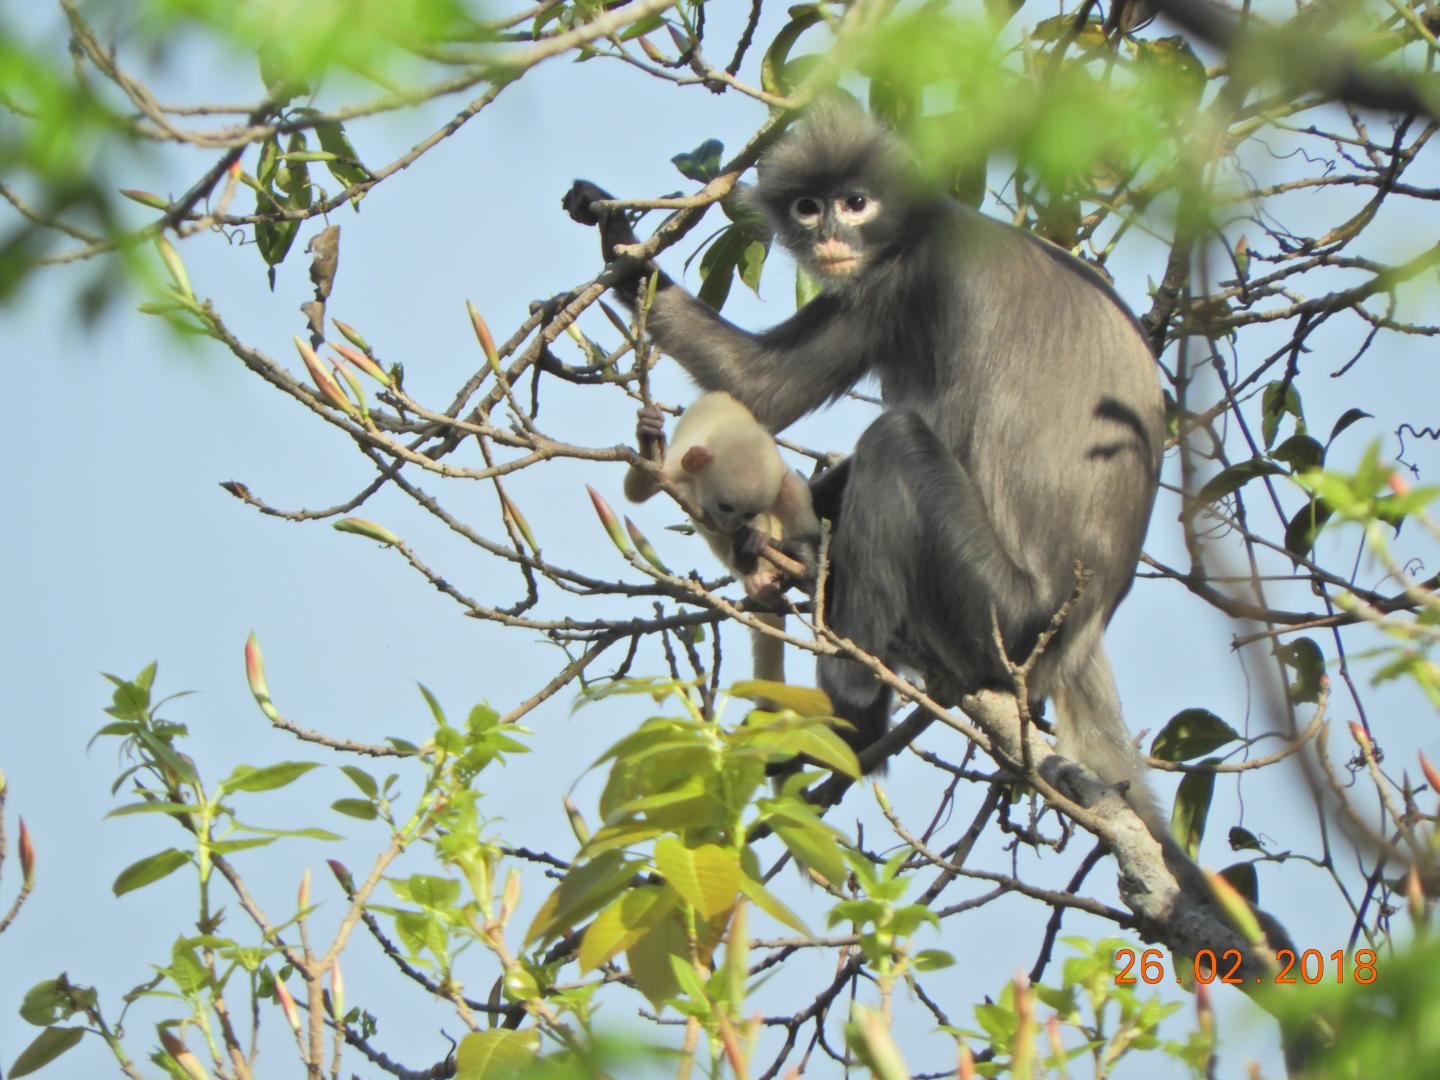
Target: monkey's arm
[(780, 375)]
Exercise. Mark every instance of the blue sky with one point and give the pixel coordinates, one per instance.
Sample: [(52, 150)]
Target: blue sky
[(121, 548)]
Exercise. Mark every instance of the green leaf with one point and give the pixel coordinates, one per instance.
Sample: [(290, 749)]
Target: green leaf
[(804, 700), (1192, 806), (1350, 416), (149, 870), (152, 808), (649, 960), (362, 809), (495, 1055), (44, 1003), (1242, 876), (1305, 657), (816, 742), (816, 849), (47, 1046), (772, 67), (1300, 452), (689, 979), (363, 780), (707, 877), (807, 286), (1235, 477), (346, 166), (584, 891), (932, 960), (719, 263), (229, 847), (701, 164), (771, 904), (752, 263), (1305, 526), (268, 778), (1278, 399), (629, 918), (1191, 733), (430, 891)]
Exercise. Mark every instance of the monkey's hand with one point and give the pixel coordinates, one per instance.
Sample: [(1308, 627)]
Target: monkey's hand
[(576, 202), (755, 561), (650, 433), (615, 229)]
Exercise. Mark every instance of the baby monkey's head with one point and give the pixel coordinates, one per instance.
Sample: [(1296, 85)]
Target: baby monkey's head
[(735, 476)]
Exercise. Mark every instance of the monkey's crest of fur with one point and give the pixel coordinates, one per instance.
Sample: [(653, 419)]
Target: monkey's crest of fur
[(833, 148)]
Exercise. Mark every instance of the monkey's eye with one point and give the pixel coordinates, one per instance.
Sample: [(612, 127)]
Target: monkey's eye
[(751, 515), (806, 210), (856, 208), (725, 508)]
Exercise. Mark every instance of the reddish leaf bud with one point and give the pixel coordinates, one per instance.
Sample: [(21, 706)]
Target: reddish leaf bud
[(337, 993), (342, 875), (364, 363), (287, 1005), (482, 332), (27, 855), (1432, 775), (323, 382), (608, 519), (255, 673)]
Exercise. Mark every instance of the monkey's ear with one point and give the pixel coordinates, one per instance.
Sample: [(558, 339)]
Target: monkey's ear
[(696, 458)]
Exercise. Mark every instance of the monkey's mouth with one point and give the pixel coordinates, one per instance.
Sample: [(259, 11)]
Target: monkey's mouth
[(842, 266)]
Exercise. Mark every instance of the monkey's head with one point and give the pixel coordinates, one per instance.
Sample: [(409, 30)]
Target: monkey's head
[(734, 479), (834, 190)]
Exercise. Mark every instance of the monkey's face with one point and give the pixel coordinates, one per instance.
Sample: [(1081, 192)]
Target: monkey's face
[(732, 510), (734, 500), (828, 233)]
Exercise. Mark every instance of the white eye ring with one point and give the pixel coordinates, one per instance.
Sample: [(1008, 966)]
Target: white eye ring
[(857, 208), (806, 210)]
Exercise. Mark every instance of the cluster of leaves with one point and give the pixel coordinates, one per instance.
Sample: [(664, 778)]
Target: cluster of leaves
[(1092, 1016), (202, 966)]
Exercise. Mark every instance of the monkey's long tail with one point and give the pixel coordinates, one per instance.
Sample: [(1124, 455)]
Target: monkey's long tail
[(1091, 730), (768, 653)]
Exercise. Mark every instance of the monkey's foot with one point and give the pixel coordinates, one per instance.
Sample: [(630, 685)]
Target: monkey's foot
[(1078, 783)]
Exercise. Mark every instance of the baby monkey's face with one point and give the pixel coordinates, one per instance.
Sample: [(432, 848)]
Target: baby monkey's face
[(736, 499)]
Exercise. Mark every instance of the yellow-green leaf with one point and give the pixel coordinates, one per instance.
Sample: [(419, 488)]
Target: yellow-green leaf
[(495, 1055), (805, 700), (625, 922), (707, 877)]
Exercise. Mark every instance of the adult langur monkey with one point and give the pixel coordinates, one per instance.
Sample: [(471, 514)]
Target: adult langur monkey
[(1022, 429)]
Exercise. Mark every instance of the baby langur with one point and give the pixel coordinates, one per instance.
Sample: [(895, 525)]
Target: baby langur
[(728, 464)]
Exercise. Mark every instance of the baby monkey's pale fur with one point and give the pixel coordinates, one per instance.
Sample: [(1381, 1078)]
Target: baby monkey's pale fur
[(729, 466)]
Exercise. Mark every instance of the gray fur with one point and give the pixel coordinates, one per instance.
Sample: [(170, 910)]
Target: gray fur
[(1022, 431)]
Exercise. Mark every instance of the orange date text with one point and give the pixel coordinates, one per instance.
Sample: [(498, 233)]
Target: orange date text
[(1310, 966)]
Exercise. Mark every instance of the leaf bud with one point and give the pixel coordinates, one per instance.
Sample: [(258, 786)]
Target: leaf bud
[(287, 1006), (27, 855), (361, 527), (255, 674), (646, 549), (608, 519)]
